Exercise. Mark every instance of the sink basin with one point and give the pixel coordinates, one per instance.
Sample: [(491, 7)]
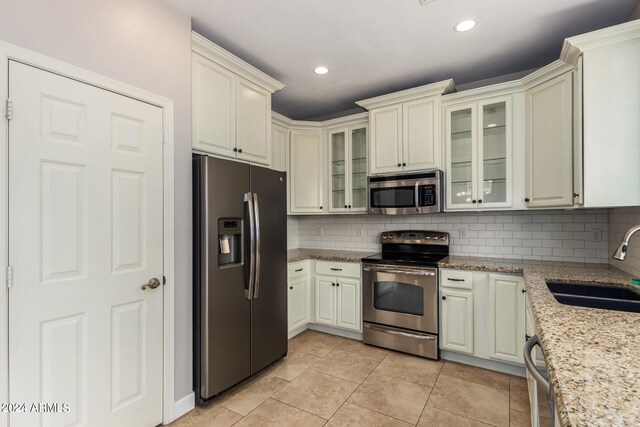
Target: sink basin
[(595, 296)]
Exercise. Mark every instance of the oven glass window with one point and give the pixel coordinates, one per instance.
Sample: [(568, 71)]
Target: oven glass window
[(398, 297), (393, 197)]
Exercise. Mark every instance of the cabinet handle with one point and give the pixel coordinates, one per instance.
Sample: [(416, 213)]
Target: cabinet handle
[(576, 194), (300, 269), (443, 297), (455, 280), (290, 287), (524, 291), (239, 150), (474, 201), (526, 199), (336, 269)]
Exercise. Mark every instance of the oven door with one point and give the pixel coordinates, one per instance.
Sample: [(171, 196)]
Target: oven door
[(404, 297)]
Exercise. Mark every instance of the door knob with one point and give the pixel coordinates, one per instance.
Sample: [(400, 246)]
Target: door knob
[(153, 283)]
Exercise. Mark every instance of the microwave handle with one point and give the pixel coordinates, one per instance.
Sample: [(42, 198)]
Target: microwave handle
[(416, 196)]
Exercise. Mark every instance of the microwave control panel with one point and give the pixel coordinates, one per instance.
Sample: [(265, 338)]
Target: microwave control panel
[(428, 195)]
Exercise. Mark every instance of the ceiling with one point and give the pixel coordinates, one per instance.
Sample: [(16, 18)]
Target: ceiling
[(373, 47)]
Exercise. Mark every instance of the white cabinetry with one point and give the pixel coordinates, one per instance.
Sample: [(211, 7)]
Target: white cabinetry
[(306, 172), (279, 144), (506, 317), (479, 154), (298, 296), (231, 105), (549, 152), (405, 129), (457, 320), (338, 295), (348, 169)]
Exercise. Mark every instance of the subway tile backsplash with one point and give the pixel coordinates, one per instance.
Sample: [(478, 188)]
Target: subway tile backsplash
[(572, 235)]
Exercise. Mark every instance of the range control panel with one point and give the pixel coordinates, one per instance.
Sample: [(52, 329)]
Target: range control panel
[(415, 237)]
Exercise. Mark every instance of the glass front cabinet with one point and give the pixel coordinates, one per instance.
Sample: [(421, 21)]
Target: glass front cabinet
[(348, 169), (479, 155)]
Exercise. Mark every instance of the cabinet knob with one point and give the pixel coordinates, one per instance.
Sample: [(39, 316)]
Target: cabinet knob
[(399, 164), (290, 287), (235, 149), (239, 150), (333, 284), (349, 206), (524, 291), (479, 200), (320, 207), (345, 206), (337, 284), (526, 199), (443, 297), (576, 194), (474, 201), (404, 164)]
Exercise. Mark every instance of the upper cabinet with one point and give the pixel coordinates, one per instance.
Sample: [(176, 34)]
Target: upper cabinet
[(279, 147), (231, 105), (549, 153), (404, 129), (348, 169), (479, 154), (306, 172)]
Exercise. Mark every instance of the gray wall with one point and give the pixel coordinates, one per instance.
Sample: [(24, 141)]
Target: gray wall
[(636, 12), (145, 43)]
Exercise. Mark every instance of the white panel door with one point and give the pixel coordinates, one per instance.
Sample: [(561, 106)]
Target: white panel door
[(253, 122), (85, 215), (298, 302), (325, 300), (456, 309), (213, 107), (549, 144), (279, 142), (349, 302), (385, 150), (506, 318), (306, 172), (421, 142)]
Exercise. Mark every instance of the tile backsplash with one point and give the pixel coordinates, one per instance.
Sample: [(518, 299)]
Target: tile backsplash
[(558, 235), (620, 220)]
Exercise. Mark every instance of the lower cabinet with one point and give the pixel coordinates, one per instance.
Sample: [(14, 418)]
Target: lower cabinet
[(482, 314), (326, 312), (338, 302), (457, 320), (298, 302)]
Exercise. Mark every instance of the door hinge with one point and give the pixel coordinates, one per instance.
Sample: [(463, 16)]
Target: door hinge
[(164, 280), (8, 109), (9, 276), (164, 136)]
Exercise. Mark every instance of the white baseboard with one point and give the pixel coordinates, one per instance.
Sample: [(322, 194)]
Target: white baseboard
[(492, 365), (297, 331), (336, 331), (184, 405)]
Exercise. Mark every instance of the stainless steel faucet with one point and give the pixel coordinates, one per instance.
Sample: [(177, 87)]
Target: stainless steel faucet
[(621, 253)]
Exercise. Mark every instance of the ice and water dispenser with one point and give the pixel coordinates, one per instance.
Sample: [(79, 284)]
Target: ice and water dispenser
[(229, 242)]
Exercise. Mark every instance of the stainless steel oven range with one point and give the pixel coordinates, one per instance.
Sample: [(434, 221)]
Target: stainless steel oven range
[(400, 292)]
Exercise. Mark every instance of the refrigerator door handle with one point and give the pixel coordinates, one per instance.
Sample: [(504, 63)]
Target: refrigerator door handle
[(248, 197), (257, 251)]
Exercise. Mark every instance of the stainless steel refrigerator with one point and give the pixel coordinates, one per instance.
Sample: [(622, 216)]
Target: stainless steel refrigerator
[(240, 272)]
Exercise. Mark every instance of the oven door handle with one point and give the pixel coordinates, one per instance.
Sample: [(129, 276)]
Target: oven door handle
[(402, 334), (400, 271)]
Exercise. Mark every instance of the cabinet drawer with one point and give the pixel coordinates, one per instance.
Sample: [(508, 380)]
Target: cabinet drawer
[(342, 269), (456, 279), (297, 269)]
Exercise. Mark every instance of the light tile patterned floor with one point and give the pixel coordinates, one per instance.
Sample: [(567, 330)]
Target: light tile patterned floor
[(328, 380)]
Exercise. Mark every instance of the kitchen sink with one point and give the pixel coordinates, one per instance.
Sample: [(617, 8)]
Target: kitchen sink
[(611, 297)]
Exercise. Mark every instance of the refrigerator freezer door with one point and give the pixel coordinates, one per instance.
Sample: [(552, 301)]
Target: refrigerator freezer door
[(269, 306), (222, 327)]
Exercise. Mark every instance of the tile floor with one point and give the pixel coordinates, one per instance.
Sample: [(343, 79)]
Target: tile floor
[(328, 380)]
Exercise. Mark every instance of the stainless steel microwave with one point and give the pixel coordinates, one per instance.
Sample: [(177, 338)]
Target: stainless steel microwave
[(407, 194)]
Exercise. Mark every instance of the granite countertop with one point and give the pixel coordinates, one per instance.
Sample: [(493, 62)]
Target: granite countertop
[(593, 355), (295, 255)]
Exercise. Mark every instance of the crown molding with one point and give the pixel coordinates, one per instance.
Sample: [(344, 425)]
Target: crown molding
[(208, 49), (346, 120), (439, 88), (498, 89), (545, 73), (303, 125)]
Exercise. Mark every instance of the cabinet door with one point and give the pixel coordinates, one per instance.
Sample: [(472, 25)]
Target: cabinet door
[(298, 302), (549, 144), (456, 309), (461, 152), (386, 139), (349, 302), (420, 141), (339, 166), (306, 171), (253, 122), (506, 318), (213, 107), (357, 153), (279, 143), (326, 300), (494, 154)]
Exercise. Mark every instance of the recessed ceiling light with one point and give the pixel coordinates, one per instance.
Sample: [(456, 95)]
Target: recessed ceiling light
[(321, 70), (465, 25)]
